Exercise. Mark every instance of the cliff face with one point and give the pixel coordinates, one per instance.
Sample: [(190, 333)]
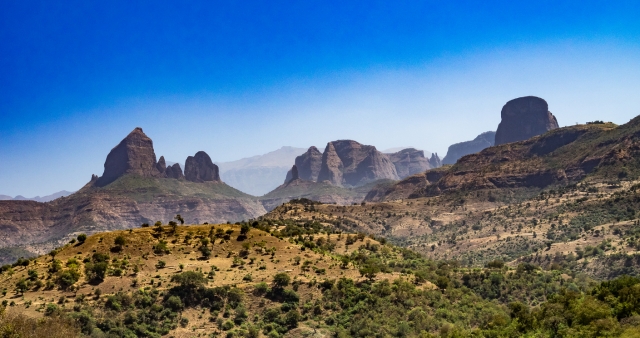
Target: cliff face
[(350, 163), (200, 168), (133, 155), (458, 150), (409, 161), (524, 118), (309, 164)]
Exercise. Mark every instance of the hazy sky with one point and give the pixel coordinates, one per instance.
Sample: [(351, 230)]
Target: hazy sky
[(241, 78)]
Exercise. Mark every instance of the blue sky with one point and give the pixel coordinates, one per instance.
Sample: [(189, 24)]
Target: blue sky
[(243, 78)]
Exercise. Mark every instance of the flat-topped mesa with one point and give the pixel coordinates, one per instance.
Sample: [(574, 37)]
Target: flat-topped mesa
[(524, 118), (409, 161), (347, 162), (200, 168), (133, 155)]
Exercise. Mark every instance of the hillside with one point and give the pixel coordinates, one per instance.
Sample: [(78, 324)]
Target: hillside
[(596, 152), (323, 192), (293, 278)]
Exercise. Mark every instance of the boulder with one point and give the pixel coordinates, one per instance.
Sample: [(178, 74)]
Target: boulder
[(409, 161), (200, 168), (133, 155), (524, 118), (456, 151)]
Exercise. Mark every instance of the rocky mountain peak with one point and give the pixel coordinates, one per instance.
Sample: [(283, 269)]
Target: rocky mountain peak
[(524, 118), (409, 161), (200, 168), (435, 161), (133, 155), (309, 164), (347, 162)]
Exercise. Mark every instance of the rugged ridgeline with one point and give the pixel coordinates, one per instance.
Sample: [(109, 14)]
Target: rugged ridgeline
[(345, 172), (458, 150), (134, 189), (510, 164)]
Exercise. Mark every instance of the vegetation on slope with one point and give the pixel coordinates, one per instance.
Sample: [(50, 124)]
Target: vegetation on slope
[(279, 277)]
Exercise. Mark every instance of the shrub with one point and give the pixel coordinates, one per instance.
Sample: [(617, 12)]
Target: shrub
[(82, 238)]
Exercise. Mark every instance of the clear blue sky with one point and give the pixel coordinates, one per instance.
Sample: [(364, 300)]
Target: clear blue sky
[(240, 78)]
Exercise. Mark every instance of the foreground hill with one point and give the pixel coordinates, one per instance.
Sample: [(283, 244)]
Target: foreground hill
[(294, 278)]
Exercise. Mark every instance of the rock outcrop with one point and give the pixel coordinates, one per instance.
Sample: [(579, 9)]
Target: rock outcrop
[(524, 118), (409, 161), (174, 171), (200, 168), (435, 161), (456, 151), (292, 175), (161, 165), (309, 164), (133, 155), (332, 167)]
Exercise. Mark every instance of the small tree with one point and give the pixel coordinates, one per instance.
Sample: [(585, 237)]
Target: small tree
[(120, 241), (281, 280), (82, 238), (174, 226), (158, 224), (179, 219), (244, 228)]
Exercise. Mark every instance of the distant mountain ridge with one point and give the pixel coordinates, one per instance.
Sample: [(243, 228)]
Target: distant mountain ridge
[(47, 198), (257, 175)]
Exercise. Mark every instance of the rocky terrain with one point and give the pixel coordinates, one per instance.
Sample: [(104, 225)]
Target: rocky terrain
[(133, 189), (458, 150), (410, 161), (524, 118)]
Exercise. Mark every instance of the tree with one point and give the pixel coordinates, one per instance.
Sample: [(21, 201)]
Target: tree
[(190, 279), (244, 228), (179, 219), (82, 238), (158, 224), (370, 270), (173, 225), (281, 280), (22, 285), (120, 241)]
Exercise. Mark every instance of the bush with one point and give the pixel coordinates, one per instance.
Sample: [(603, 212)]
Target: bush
[(281, 280), (82, 238)]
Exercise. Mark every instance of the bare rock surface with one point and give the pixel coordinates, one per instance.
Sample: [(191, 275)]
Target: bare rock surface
[(409, 161), (200, 168), (133, 155), (524, 118), (174, 171), (309, 164), (435, 161), (458, 150)]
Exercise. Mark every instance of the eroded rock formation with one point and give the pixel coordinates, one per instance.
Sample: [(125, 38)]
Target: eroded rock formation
[(409, 161), (133, 155), (200, 168), (524, 118)]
